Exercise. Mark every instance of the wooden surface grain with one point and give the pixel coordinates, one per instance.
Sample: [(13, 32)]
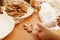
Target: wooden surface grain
[(19, 33)]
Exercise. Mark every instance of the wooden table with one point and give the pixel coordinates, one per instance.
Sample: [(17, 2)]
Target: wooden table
[(19, 33)]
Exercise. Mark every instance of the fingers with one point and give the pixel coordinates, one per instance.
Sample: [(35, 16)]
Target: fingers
[(42, 27)]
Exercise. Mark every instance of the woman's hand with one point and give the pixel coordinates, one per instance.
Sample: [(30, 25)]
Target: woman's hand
[(47, 34)]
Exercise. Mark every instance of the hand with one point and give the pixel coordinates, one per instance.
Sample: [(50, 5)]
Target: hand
[(47, 34)]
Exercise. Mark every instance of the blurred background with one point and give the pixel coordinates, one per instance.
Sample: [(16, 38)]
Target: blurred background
[(1, 2)]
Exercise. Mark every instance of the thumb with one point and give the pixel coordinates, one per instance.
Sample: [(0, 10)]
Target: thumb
[(42, 27)]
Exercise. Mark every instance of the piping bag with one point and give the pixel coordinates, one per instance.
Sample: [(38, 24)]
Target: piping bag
[(47, 14)]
